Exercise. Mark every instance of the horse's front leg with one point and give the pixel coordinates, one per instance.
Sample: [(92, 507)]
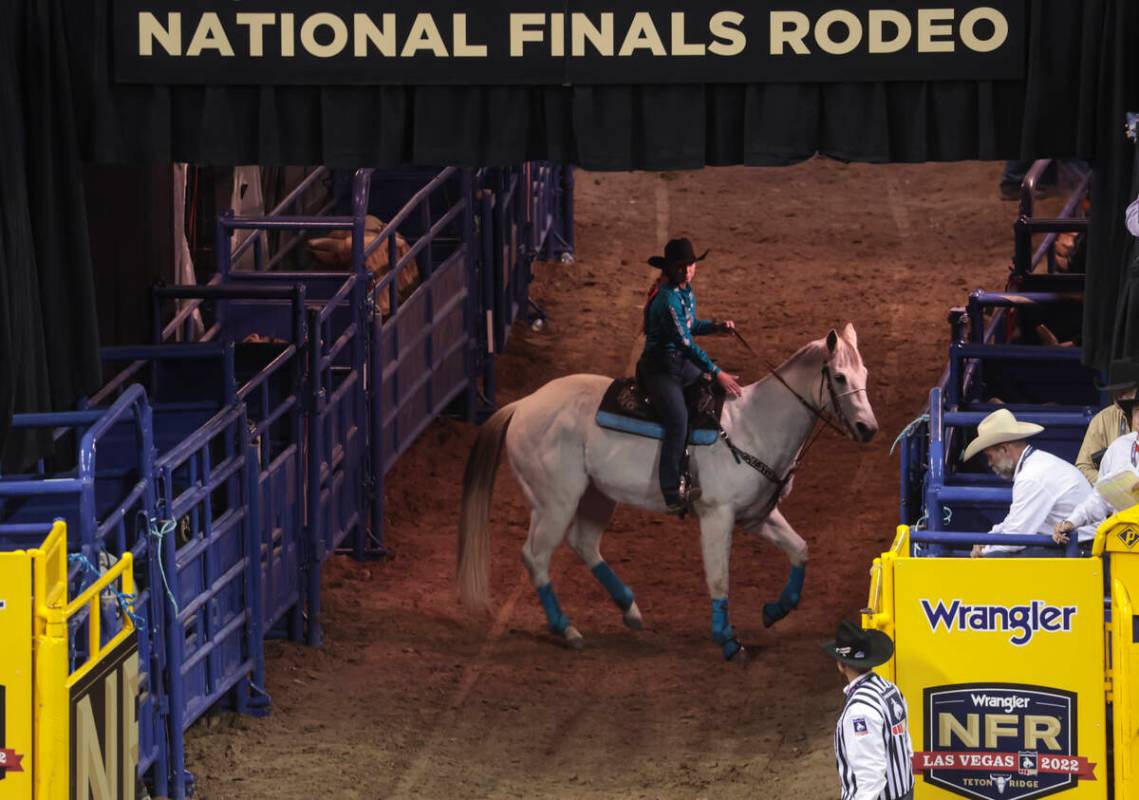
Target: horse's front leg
[(716, 544), (777, 530)]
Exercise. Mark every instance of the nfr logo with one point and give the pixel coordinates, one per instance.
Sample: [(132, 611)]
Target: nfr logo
[(1001, 741)]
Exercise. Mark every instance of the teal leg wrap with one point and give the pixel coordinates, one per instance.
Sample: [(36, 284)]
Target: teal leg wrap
[(557, 618), (788, 598), (722, 633), (622, 595)]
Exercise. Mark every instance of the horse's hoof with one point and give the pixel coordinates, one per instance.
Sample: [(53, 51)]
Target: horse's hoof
[(574, 638), (742, 657), (772, 613), (633, 618)]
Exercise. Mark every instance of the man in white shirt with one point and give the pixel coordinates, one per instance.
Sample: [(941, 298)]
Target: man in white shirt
[(1122, 457), (1045, 489)]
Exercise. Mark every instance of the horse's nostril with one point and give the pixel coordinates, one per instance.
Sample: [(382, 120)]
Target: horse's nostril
[(865, 432)]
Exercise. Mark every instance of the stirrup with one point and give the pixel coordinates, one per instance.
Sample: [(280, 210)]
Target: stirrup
[(690, 492), (688, 497)]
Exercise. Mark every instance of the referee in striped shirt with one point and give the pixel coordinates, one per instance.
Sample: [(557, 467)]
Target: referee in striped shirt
[(872, 739)]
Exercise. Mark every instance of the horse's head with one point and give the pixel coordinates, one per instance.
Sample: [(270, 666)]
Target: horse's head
[(844, 385)]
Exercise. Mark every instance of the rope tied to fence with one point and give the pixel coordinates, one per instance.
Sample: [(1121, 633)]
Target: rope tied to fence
[(158, 529), (125, 601), (923, 520), (909, 429)]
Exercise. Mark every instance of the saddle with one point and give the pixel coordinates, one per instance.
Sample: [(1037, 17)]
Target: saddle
[(626, 408)]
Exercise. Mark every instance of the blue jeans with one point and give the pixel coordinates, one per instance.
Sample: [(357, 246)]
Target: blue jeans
[(664, 378)]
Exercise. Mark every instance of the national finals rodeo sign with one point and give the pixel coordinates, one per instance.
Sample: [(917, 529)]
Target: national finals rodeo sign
[(568, 42)]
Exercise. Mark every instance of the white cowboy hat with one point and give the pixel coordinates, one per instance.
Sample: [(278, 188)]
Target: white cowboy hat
[(997, 428)]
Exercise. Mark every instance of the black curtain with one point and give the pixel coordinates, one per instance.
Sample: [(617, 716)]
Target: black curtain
[(1126, 312), (1109, 324), (48, 336)]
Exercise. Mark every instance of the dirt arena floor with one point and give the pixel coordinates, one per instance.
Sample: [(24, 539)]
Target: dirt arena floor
[(410, 697)]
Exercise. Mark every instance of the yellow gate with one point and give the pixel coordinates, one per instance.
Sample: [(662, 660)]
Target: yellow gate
[(45, 708), (1005, 666)]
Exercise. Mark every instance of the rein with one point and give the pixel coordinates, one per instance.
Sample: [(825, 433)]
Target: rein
[(819, 416)]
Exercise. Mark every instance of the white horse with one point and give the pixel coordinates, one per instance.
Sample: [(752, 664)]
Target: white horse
[(574, 472)]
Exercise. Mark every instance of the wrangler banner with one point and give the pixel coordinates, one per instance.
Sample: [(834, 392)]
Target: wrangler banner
[(1002, 664), (567, 42)]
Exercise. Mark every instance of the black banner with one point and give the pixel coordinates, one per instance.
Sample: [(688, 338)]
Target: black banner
[(104, 726), (420, 42)]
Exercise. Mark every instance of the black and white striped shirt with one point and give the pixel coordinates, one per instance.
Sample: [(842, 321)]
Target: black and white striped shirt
[(872, 741)]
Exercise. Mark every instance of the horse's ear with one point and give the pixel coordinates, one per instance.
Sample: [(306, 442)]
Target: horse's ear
[(832, 341), (850, 335)]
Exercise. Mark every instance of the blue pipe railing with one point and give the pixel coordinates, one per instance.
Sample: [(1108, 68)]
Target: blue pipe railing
[(970, 538)]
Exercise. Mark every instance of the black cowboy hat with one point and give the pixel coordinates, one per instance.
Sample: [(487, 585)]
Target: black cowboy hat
[(859, 648), (1123, 373), (677, 251)]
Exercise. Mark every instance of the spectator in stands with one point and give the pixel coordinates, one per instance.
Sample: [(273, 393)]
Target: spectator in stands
[(1121, 458), (1131, 216), (1110, 423), (1045, 489)]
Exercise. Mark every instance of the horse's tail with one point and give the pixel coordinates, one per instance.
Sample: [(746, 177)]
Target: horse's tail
[(478, 486)]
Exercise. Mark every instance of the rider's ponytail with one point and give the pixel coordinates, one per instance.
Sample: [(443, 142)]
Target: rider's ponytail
[(649, 301)]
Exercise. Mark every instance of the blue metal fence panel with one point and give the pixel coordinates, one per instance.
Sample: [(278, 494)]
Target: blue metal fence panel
[(422, 361), (269, 378), (214, 629)]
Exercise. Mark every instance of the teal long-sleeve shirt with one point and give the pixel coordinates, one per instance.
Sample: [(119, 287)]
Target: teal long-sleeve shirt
[(671, 322)]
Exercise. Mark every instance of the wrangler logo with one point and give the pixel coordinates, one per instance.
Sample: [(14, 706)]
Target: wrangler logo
[(1022, 622)]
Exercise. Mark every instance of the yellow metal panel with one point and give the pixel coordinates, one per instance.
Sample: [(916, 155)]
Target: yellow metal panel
[(16, 673), (879, 611), (1002, 664), (1123, 648), (52, 719)]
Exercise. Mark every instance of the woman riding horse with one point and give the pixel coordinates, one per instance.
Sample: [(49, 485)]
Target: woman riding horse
[(672, 360), (574, 473)]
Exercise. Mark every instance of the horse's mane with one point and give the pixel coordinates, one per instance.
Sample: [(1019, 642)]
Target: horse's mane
[(846, 354)]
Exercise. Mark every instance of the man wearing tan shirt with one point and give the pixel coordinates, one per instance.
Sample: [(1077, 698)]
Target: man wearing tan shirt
[(1110, 423)]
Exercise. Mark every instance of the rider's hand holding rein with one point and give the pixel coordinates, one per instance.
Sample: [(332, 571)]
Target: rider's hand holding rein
[(730, 383)]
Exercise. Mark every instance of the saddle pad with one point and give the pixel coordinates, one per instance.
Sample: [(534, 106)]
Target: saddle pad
[(624, 408)]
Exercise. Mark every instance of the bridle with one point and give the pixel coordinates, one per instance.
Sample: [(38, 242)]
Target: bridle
[(818, 412), (826, 381)]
